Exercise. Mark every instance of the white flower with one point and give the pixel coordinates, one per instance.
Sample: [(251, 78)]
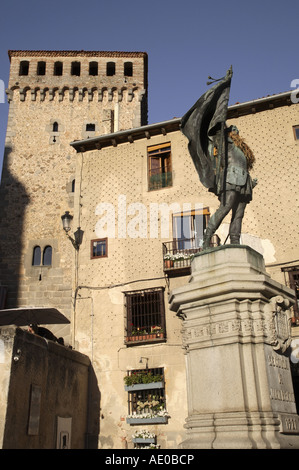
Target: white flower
[(161, 413), (143, 434)]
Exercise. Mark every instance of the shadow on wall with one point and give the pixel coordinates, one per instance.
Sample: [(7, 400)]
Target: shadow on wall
[(93, 419), (53, 399), (13, 201)]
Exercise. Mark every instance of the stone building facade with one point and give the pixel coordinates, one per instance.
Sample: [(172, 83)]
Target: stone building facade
[(136, 261), (129, 188), (55, 98)]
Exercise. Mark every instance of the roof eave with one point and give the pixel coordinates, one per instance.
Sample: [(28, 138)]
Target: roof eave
[(163, 128)]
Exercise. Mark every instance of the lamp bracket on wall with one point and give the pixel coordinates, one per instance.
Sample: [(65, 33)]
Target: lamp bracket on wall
[(78, 235)]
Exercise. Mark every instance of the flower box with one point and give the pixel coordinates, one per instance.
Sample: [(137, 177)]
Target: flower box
[(140, 440), (148, 386), (148, 337), (154, 420)]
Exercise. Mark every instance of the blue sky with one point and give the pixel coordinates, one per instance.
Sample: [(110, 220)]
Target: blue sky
[(185, 40)]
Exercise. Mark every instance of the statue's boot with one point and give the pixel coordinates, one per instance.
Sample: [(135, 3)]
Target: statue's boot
[(207, 238), (234, 239)]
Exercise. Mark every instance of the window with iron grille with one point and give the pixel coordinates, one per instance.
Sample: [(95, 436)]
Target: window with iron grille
[(150, 399), (159, 166), (145, 315)]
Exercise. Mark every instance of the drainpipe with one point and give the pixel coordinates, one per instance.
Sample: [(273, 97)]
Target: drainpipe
[(116, 117)]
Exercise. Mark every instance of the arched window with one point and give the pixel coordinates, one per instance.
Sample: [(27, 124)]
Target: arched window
[(36, 258), (73, 186), (76, 67), (128, 69), (110, 70), (55, 126), (24, 67), (47, 256), (41, 68), (93, 68), (58, 68)]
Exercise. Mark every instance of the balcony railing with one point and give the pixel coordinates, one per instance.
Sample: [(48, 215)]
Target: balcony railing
[(159, 179), (178, 254)]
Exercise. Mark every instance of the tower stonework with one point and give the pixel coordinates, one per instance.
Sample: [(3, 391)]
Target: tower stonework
[(56, 97)]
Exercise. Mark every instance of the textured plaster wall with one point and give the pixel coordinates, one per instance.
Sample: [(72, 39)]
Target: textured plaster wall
[(137, 263)]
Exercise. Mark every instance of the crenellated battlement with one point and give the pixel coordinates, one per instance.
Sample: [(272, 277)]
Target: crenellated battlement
[(72, 94), (100, 80)]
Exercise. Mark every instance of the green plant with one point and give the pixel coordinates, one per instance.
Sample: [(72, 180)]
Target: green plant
[(142, 378), (139, 332)]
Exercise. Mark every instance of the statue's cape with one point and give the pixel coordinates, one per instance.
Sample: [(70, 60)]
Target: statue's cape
[(200, 123)]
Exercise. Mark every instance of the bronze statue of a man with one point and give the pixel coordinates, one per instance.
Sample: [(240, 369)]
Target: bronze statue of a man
[(221, 157)]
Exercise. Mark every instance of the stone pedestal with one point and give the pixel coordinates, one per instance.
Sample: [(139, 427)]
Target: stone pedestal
[(236, 331)]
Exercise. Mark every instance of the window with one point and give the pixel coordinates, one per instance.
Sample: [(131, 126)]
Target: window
[(47, 256), (159, 166), (128, 69), (76, 68), (93, 68), (24, 67), (150, 397), (296, 132), (189, 227), (41, 68), (73, 186), (55, 126), (36, 259), (110, 70), (58, 68), (90, 127), (145, 315), (99, 248)]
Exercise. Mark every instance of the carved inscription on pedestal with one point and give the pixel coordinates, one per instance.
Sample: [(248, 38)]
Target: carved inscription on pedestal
[(278, 323), (278, 338)]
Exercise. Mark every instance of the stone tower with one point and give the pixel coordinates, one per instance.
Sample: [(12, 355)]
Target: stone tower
[(56, 97)]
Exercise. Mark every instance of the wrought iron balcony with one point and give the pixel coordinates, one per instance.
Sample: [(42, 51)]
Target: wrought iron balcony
[(159, 179), (178, 254)]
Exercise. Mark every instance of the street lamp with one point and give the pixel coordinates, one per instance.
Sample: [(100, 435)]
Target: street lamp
[(66, 223)]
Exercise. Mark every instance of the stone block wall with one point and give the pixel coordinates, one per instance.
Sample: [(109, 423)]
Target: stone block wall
[(46, 113), (44, 383)]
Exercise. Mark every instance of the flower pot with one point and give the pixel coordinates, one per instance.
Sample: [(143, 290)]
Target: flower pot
[(168, 263), (159, 335), (147, 337)]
